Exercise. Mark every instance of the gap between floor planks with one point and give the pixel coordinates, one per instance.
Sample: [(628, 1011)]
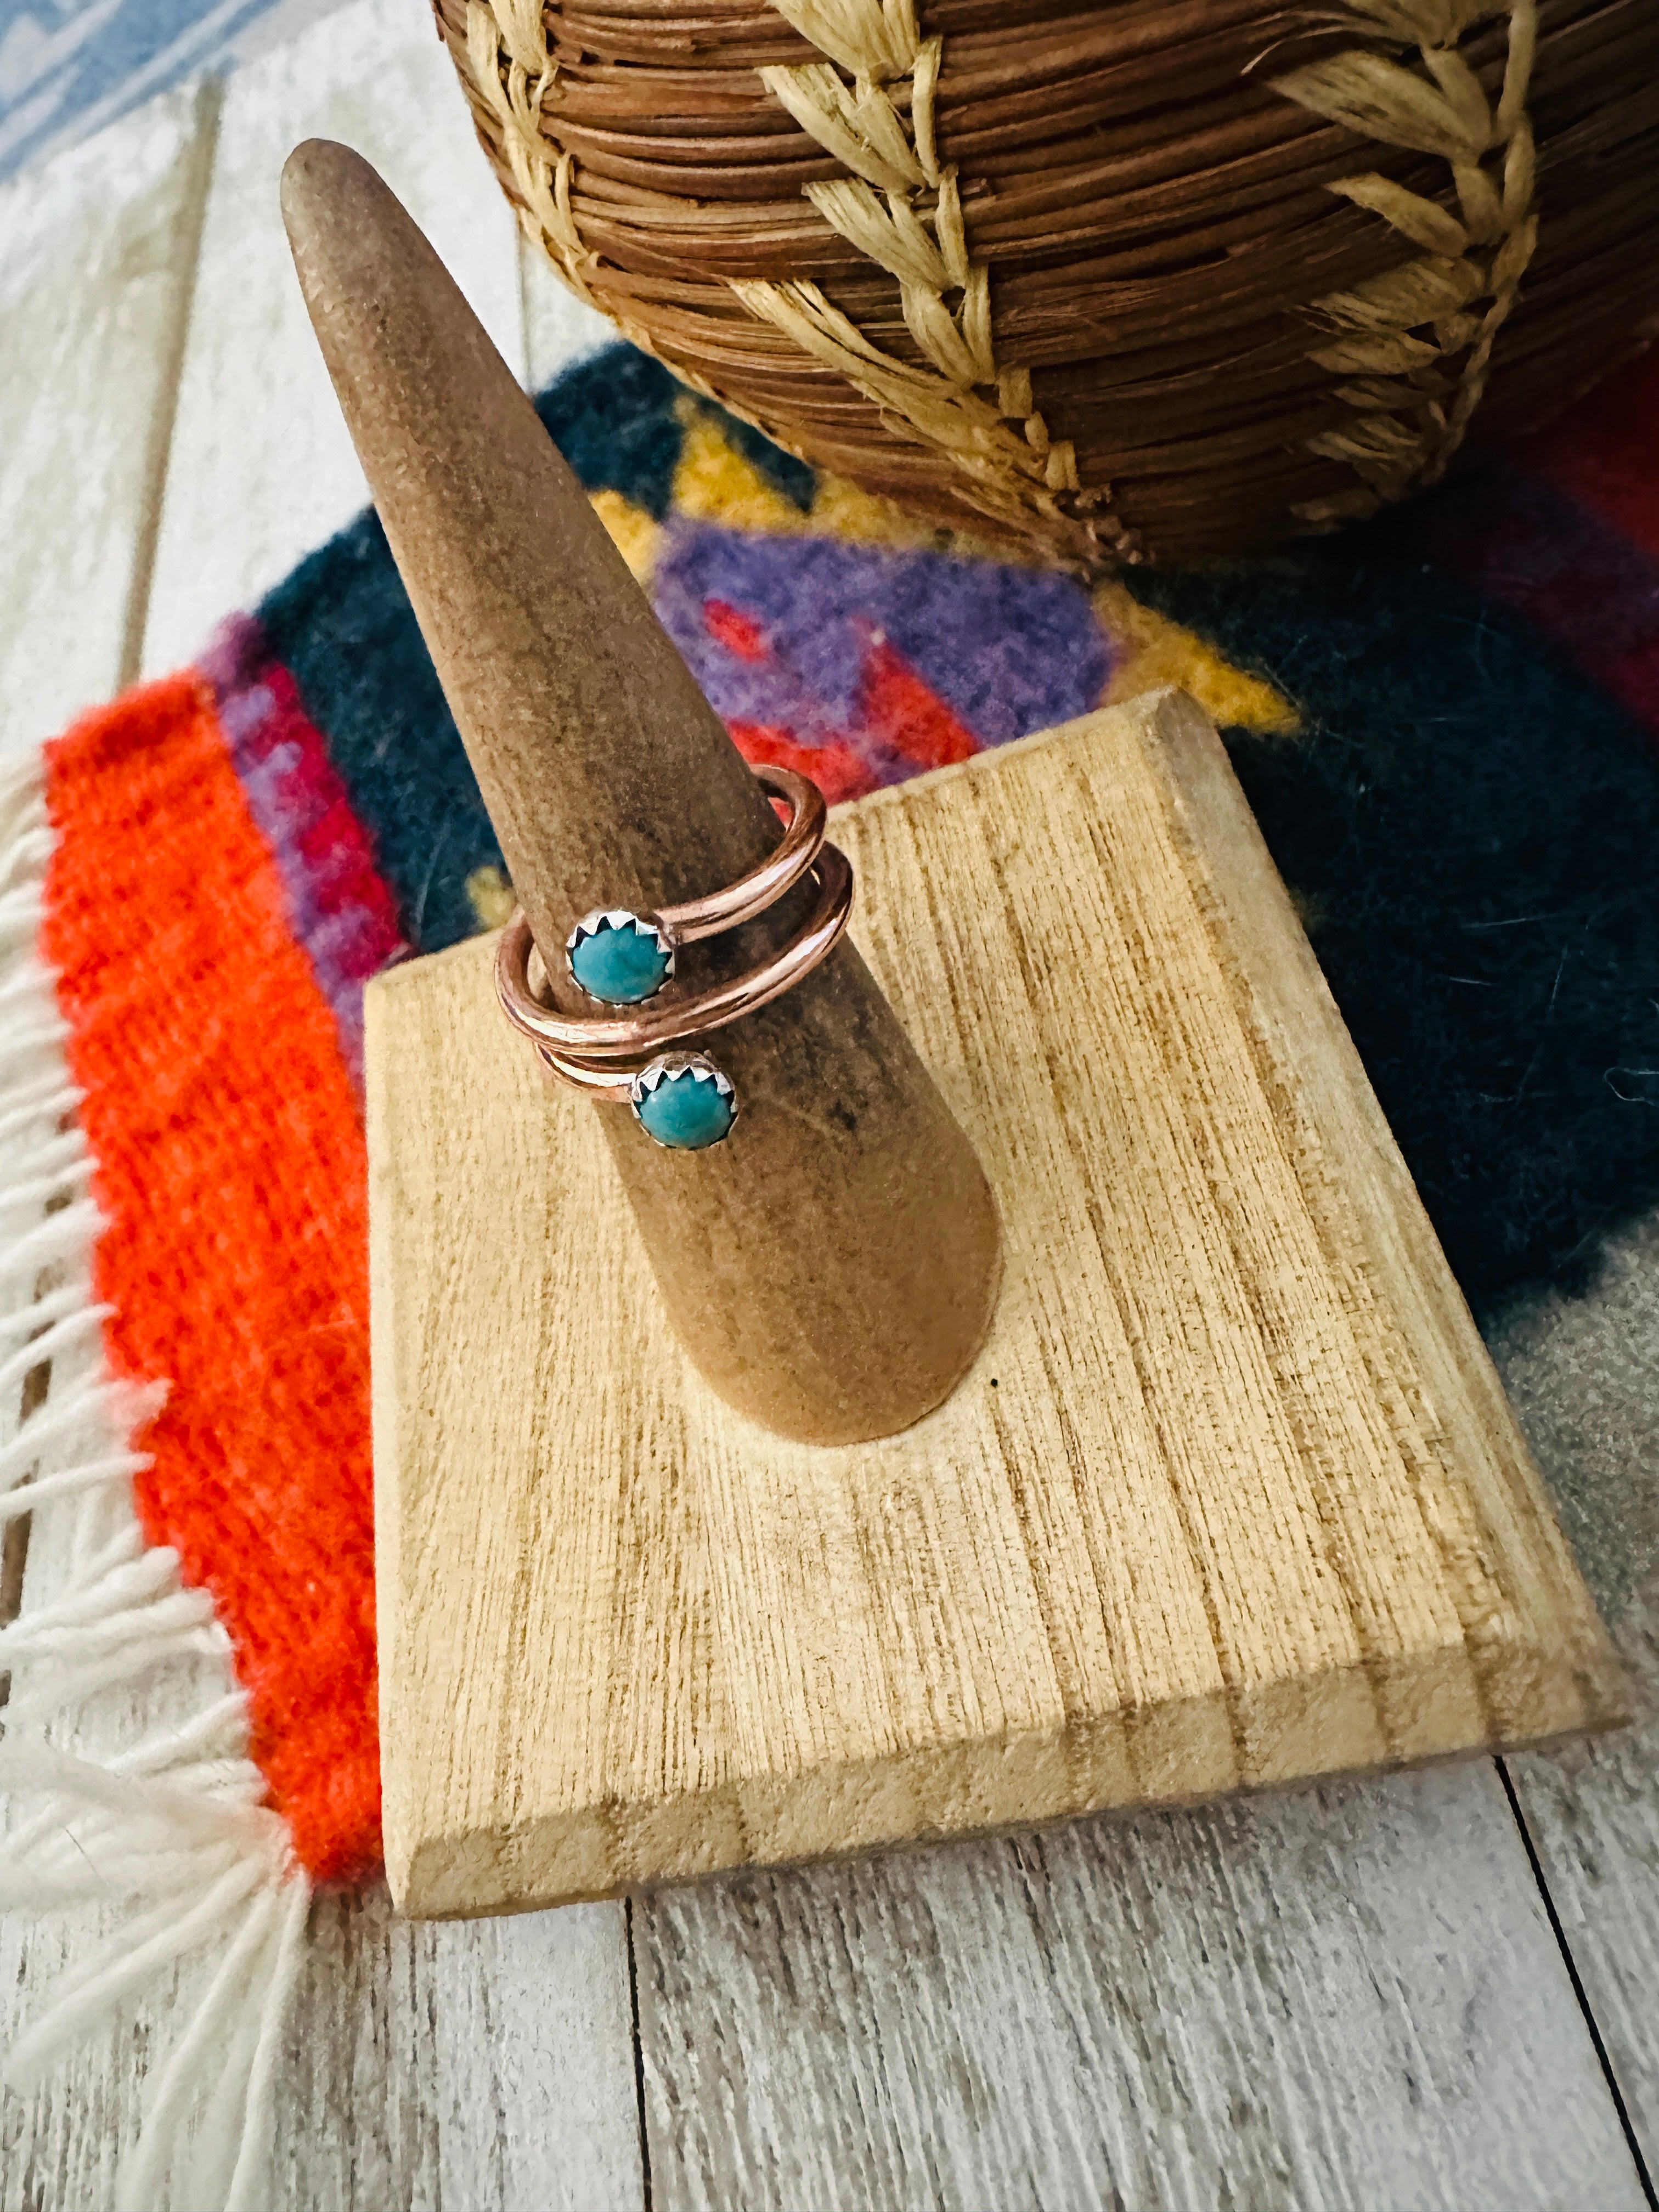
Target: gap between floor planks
[(925, 2036)]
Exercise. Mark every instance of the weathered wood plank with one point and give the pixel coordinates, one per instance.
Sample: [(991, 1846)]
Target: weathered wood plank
[(483, 2063), (262, 468), (1344, 2000), (1584, 1376), (95, 253), (449, 2034), (95, 263)]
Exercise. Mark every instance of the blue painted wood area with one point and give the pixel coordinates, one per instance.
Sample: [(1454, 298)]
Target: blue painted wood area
[(67, 67)]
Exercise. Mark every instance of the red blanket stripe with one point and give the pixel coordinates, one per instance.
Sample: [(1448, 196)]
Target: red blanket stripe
[(231, 1171)]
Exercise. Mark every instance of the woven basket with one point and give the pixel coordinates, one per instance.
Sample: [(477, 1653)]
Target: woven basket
[(1122, 279)]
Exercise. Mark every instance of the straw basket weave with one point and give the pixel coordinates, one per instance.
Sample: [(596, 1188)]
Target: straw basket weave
[(1124, 279)]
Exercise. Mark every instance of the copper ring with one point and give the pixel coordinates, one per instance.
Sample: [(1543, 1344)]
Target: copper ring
[(664, 929), (583, 1039), (763, 887), (683, 1101)]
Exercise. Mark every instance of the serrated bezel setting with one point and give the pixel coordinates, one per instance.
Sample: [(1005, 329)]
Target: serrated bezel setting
[(616, 920), (674, 1068)]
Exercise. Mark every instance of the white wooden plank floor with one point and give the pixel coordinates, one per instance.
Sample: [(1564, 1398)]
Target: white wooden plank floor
[(1341, 1999), (1584, 1376), (1387, 1995)]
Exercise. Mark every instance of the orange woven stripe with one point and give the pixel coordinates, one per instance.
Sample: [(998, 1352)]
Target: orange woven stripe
[(231, 1169)]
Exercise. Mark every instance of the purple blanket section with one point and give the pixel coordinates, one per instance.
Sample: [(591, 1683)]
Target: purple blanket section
[(1008, 650)]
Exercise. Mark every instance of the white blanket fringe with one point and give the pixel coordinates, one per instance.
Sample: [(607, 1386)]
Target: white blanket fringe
[(124, 1762)]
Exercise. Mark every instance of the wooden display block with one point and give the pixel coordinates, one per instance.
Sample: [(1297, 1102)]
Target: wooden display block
[(1232, 1496)]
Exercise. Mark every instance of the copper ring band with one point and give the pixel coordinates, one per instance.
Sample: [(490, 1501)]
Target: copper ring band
[(592, 1078), (782, 868), (581, 1040)]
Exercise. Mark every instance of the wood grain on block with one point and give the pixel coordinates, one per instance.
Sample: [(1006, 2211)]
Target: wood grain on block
[(831, 1268), (1231, 1497)]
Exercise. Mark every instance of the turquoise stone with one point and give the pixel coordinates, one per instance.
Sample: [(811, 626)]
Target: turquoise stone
[(618, 959), (687, 1110)]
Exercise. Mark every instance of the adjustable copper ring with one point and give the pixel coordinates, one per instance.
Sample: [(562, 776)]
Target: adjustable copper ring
[(622, 958), (681, 1099)]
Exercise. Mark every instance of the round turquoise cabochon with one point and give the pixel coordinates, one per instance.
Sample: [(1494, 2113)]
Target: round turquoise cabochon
[(618, 959), (687, 1108)]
